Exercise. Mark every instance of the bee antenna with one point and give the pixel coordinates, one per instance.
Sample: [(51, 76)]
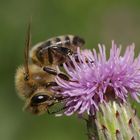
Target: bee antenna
[(26, 51)]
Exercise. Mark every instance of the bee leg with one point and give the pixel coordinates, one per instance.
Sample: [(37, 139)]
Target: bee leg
[(54, 72), (63, 50), (63, 76), (50, 57), (51, 84), (50, 70)]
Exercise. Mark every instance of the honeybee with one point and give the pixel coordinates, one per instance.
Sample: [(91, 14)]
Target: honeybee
[(55, 50), (35, 79), (34, 84)]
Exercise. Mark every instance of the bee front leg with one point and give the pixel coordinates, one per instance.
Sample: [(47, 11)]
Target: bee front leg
[(54, 72)]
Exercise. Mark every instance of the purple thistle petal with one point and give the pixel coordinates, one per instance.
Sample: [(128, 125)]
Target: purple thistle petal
[(94, 79)]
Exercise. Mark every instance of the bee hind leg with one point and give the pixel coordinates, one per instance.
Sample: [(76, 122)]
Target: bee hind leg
[(63, 50)]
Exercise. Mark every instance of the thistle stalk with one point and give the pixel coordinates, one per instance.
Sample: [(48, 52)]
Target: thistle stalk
[(92, 131)]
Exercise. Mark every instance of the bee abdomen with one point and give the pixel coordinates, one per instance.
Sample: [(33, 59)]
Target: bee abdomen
[(60, 44), (62, 41), (78, 41), (67, 40)]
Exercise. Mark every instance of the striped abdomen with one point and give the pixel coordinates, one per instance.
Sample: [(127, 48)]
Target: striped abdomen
[(55, 44)]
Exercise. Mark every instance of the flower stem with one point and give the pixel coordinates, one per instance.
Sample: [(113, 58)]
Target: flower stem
[(92, 128)]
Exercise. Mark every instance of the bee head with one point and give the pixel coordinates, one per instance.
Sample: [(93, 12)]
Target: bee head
[(39, 103)]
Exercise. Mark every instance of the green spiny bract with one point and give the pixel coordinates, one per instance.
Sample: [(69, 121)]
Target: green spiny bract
[(115, 122)]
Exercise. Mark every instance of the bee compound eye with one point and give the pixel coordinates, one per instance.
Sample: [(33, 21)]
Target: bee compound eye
[(37, 99)]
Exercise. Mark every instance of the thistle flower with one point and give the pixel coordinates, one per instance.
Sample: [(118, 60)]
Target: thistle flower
[(95, 80)]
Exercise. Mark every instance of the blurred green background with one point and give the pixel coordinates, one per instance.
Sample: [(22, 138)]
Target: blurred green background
[(97, 21)]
